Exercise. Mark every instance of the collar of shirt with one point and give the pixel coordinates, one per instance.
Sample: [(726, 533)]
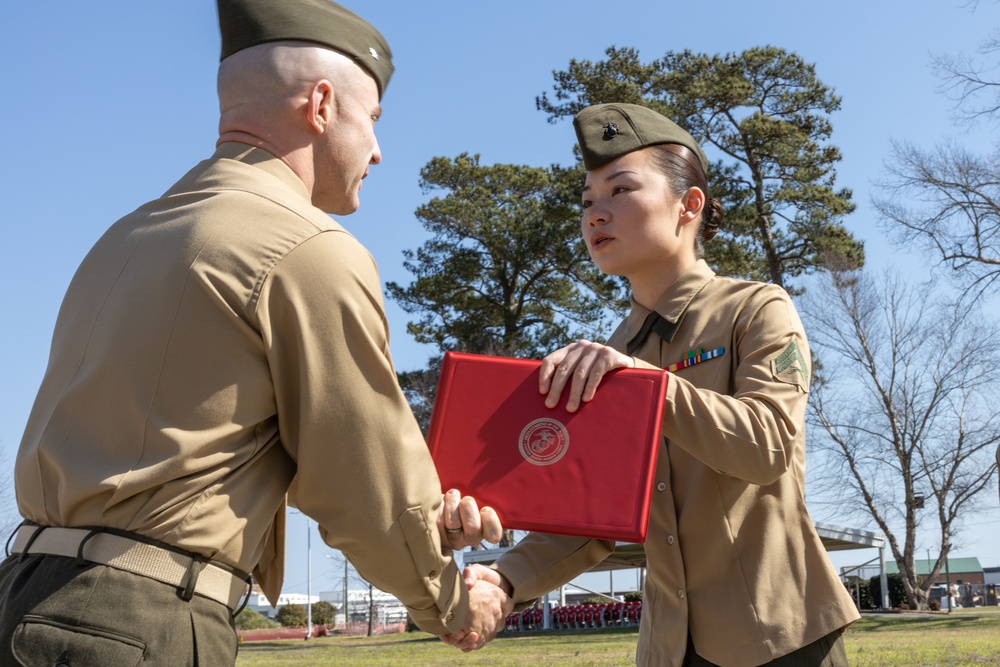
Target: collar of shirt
[(674, 301), (260, 158)]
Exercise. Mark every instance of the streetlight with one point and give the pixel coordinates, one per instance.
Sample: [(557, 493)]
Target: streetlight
[(309, 605)]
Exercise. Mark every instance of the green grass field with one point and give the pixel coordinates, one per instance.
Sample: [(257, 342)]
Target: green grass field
[(965, 637)]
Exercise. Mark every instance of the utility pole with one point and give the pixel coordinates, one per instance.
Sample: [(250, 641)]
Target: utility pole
[(309, 562), (344, 608), (931, 584), (947, 578), (371, 607)]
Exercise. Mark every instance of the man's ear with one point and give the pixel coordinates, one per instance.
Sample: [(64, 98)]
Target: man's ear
[(319, 106), (693, 201)]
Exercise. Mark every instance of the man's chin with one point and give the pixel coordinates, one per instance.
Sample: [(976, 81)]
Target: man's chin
[(338, 207)]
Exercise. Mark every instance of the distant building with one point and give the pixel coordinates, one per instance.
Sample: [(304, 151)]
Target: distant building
[(386, 608), (259, 603), (960, 570), (576, 596)]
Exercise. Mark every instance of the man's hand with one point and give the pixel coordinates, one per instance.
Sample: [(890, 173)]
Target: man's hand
[(489, 604), (463, 524)]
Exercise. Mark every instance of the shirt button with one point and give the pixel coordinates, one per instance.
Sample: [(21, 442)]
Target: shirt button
[(680, 593), (661, 487), (432, 574), (451, 615), (670, 539)]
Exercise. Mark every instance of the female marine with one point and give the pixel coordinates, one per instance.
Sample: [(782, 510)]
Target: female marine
[(737, 575)]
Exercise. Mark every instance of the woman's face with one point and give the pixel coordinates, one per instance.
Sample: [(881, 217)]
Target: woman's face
[(634, 226)]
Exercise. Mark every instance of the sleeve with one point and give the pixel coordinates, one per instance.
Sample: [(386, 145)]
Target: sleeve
[(540, 563), (753, 433), (364, 472)]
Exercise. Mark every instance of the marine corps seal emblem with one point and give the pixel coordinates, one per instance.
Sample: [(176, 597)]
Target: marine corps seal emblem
[(543, 441)]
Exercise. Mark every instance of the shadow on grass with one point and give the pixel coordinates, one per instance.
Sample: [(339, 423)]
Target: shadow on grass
[(908, 622)]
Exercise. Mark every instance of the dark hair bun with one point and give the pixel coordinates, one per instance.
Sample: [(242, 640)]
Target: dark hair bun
[(711, 217)]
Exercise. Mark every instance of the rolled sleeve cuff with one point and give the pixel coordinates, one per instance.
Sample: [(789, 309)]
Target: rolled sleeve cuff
[(514, 576), (440, 578), (443, 620)]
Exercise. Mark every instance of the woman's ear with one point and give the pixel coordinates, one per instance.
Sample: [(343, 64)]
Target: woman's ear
[(693, 202)]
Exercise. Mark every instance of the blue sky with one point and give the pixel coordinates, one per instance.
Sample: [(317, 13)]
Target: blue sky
[(107, 103)]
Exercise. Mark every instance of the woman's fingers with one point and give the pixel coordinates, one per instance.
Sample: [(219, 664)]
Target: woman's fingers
[(581, 366)]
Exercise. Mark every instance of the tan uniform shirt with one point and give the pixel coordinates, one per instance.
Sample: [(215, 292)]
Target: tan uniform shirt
[(733, 557), (216, 346)]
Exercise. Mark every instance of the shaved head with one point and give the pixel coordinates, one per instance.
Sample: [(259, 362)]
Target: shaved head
[(267, 78), (311, 107)]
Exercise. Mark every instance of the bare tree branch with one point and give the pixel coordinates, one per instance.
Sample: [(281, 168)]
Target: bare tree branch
[(903, 409), (948, 202), (972, 83)]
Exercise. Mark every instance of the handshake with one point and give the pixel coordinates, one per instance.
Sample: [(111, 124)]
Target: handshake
[(489, 603), (578, 369), (463, 524)]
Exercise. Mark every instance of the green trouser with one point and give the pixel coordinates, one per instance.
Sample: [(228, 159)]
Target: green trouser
[(826, 651), (55, 612)]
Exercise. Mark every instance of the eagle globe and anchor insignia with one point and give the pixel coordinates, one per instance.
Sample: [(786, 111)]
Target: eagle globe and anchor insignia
[(543, 441)]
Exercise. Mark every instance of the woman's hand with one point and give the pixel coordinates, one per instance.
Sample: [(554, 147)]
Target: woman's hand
[(584, 363)]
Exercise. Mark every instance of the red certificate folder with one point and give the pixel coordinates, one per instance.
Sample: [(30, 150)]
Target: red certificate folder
[(588, 473)]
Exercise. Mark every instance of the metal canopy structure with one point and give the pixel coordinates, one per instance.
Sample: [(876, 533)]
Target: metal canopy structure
[(629, 556), (837, 538)]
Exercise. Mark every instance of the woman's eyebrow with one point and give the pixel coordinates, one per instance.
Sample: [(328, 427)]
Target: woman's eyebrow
[(611, 177)]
